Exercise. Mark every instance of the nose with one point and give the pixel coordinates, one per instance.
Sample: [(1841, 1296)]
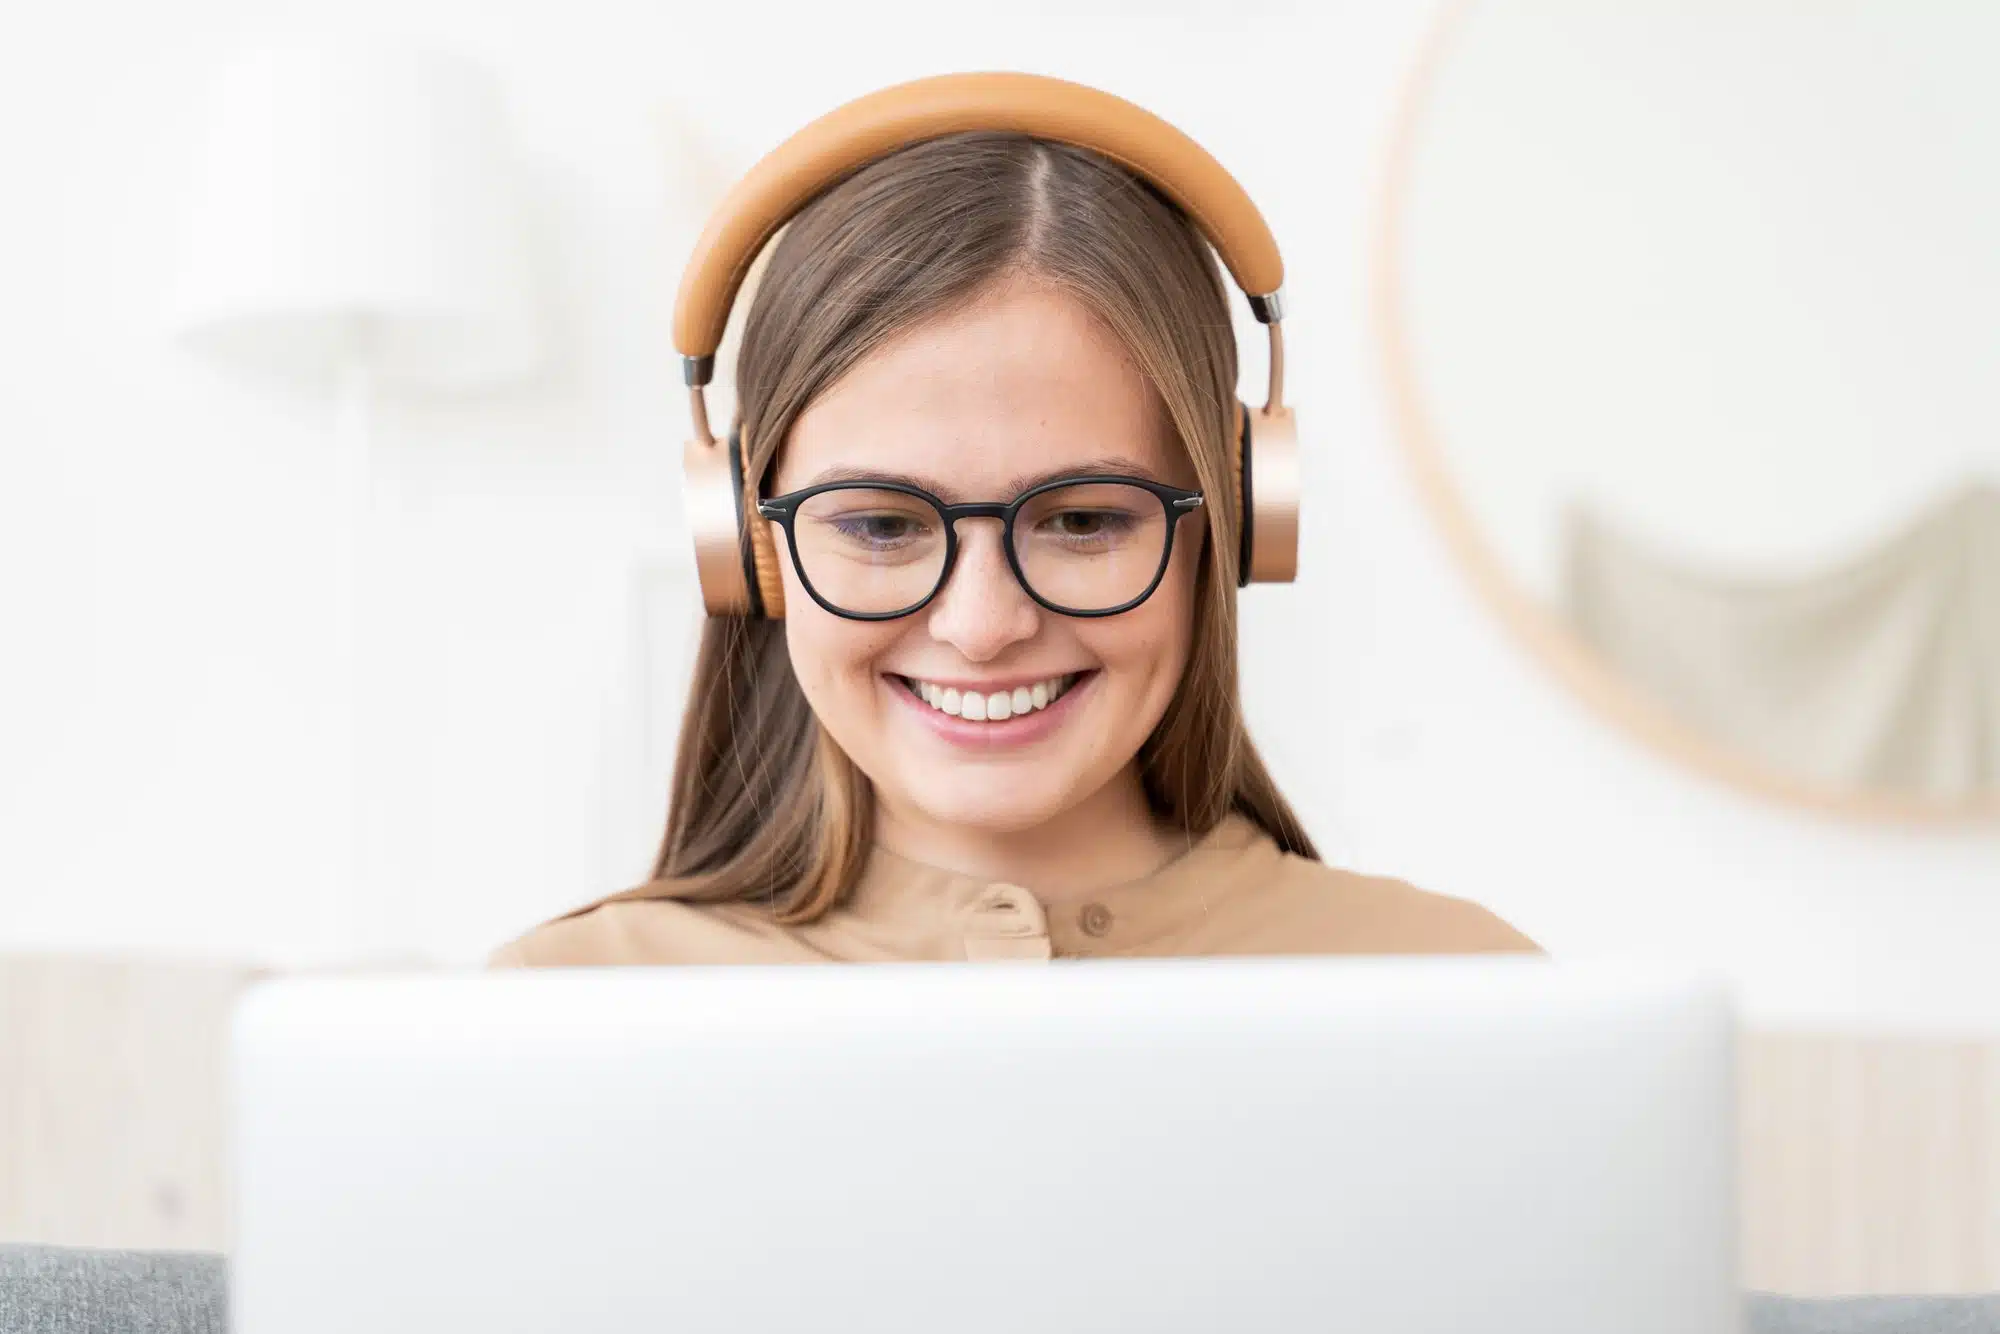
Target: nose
[(982, 608)]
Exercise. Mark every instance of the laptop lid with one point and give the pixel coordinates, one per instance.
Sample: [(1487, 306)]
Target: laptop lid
[(1438, 1145)]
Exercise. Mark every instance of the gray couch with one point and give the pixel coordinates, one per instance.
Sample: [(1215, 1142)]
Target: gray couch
[(46, 1290)]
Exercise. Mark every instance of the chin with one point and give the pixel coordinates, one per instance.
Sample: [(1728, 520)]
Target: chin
[(981, 807)]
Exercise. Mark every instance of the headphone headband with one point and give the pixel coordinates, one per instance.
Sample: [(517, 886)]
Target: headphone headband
[(851, 136)]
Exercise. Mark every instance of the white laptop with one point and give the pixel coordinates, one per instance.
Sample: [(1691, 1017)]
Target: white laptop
[(1471, 1147)]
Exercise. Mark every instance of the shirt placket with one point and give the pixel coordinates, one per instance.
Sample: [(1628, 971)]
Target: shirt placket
[(1007, 922)]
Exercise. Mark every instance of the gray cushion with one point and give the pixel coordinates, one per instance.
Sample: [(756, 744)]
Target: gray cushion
[(1873, 1315), (52, 1290), (47, 1290)]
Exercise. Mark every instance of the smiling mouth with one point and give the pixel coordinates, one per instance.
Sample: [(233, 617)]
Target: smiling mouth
[(990, 707)]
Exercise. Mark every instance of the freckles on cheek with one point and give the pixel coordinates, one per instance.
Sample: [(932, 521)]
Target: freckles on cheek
[(834, 662), (1158, 650), (815, 662), (1142, 655)]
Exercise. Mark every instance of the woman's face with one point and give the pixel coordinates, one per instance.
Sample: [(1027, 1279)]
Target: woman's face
[(1023, 386)]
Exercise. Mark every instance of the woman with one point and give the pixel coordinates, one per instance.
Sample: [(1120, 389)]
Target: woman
[(980, 754)]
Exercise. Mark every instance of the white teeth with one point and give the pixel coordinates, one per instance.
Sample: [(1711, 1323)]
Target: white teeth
[(996, 707)]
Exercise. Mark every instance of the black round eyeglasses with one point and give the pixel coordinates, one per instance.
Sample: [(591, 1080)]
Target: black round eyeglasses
[(1081, 546)]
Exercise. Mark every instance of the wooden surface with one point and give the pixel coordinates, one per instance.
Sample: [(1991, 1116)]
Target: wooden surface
[(111, 1102), (1869, 1165)]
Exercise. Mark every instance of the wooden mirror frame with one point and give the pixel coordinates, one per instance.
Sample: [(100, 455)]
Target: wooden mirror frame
[(1539, 629)]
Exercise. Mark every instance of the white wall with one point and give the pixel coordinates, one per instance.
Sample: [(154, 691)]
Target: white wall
[(173, 732)]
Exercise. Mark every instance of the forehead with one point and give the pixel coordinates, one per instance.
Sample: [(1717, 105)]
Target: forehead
[(1024, 383)]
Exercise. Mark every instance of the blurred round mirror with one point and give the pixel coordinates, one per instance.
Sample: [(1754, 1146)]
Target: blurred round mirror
[(1690, 314)]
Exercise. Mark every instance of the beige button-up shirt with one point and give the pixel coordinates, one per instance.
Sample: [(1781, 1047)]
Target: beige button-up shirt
[(1234, 892)]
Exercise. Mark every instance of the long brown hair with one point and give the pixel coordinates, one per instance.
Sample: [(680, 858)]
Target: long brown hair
[(765, 806)]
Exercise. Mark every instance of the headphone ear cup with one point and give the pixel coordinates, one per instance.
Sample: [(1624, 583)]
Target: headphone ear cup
[(1270, 472), (1240, 456), (734, 555), (712, 495), (757, 551), (766, 580)]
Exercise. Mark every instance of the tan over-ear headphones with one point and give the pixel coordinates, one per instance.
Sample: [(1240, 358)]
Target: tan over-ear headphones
[(738, 563)]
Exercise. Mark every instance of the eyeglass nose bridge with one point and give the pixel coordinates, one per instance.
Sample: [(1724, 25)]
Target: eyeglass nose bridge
[(988, 509), (999, 511)]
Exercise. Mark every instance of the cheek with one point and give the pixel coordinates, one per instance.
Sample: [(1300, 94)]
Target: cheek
[(826, 651), (830, 656), (1147, 648), (835, 661)]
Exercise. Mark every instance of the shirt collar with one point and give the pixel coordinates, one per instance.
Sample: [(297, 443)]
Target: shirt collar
[(895, 891)]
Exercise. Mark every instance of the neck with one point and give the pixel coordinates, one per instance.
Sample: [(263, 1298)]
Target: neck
[(1108, 839)]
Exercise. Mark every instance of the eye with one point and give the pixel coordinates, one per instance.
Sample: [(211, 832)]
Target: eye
[(870, 524), (1086, 525), (880, 530)]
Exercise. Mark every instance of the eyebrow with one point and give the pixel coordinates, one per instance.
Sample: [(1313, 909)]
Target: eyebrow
[(943, 490)]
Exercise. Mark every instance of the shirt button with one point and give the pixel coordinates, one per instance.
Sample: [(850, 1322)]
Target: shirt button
[(1094, 918)]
